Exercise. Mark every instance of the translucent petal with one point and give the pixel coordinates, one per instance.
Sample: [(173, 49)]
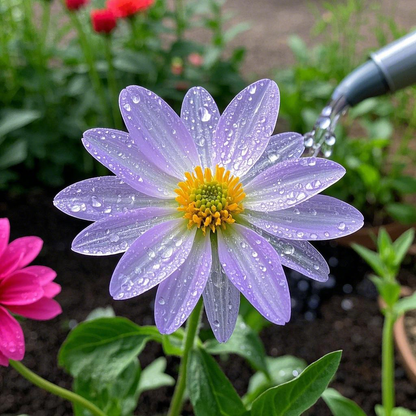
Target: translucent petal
[(289, 183), (281, 147), (177, 295), (12, 343), (298, 255), (158, 131), (20, 288), (102, 197), (115, 150), (221, 300), (200, 115), (44, 274), (116, 234), (4, 234), (152, 258), (319, 218), (41, 310), (253, 266), (245, 127)]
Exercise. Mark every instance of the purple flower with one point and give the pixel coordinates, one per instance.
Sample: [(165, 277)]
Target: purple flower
[(208, 205)]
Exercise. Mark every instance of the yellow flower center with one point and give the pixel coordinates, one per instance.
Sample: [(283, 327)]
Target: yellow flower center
[(210, 201)]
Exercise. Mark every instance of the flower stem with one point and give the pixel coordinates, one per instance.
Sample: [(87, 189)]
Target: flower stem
[(191, 333), (112, 82), (54, 389), (388, 363)]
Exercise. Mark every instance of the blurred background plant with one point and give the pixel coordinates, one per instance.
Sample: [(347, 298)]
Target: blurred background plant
[(63, 65), (373, 141)]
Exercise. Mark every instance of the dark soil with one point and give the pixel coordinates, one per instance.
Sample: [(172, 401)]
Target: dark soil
[(342, 314)]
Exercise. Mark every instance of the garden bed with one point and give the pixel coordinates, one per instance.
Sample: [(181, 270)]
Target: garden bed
[(347, 318)]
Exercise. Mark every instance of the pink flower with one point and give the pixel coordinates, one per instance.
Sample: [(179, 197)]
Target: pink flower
[(25, 291)]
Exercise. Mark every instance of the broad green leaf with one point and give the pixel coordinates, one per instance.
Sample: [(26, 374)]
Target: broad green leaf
[(13, 154), (296, 396), (153, 376), (402, 244), (116, 398), (405, 304), (245, 342), (281, 370), (397, 411), (340, 405), (107, 312), (15, 119), (404, 213), (383, 240), (103, 348), (173, 344), (371, 258), (210, 391)]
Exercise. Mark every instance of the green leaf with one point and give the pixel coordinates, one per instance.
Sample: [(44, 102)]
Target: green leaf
[(14, 154), (153, 376), (296, 396), (365, 107), (107, 312), (173, 344), (371, 258), (16, 119), (281, 370), (383, 240), (389, 291), (340, 405), (405, 184), (103, 348), (406, 304), (404, 213), (402, 244), (245, 342), (210, 391), (298, 47), (134, 63), (231, 33), (397, 411)]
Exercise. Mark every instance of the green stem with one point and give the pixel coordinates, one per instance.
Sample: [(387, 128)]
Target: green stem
[(388, 363), (95, 78), (191, 333), (54, 389), (112, 82)]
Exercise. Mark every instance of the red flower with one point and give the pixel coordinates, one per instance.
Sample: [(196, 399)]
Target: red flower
[(195, 59), (75, 4), (125, 8), (103, 21), (176, 66), (25, 291)]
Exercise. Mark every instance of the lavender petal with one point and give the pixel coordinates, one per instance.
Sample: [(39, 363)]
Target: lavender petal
[(254, 267), (319, 218), (289, 183), (281, 147), (158, 131), (221, 300), (200, 115), (245, 127), (115, 150), (103, 197), (152, 258), (177, 295), (116, 234)]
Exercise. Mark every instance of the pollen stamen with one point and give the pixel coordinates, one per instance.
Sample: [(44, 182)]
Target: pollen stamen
[(210, 201)]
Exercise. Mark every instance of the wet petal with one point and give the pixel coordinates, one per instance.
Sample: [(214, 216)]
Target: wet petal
[(200, 115), (281, 147), (290, 183), (12, 344), (20, 288), (43, 274), (177, 295), (319, 218), (245, 127), (116, 234), (102, 197), (42, 310), (4, 361), (158, 131), (152, 258), (221, 300), (116, 150), (4, 234), (253, 266)]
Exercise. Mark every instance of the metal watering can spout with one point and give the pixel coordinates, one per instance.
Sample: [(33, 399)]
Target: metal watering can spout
[(388, 70)]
